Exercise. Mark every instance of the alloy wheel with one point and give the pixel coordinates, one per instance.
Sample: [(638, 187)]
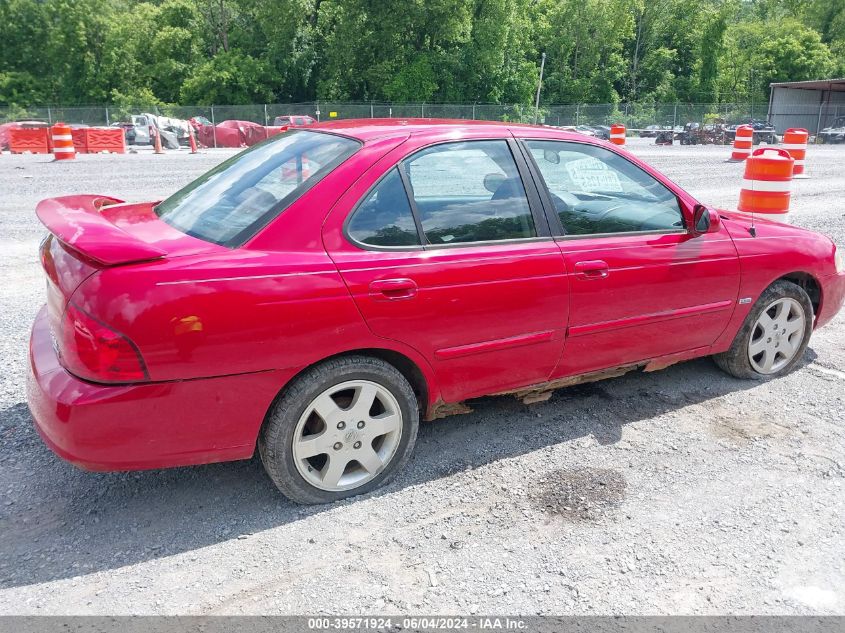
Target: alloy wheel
[(347, 435), (776, 336)]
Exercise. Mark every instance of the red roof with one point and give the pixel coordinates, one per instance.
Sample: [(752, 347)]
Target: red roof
[(367, 129)]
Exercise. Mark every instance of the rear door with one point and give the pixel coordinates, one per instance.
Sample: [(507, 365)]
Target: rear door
[(444, 248), (641, 285)]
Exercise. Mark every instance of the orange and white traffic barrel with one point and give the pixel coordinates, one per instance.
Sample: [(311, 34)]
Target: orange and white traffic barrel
[(62, 142), (743, 140), (766, 185), (617, 134), (795, 142)]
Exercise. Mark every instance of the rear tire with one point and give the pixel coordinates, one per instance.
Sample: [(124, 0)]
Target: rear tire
[(774, 336), (342, 428)]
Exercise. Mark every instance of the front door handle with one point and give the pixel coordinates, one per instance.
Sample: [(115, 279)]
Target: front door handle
[(595, 269), (393, 289)]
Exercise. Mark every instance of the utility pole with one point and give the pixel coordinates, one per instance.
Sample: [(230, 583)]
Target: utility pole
[(539, 87), (752, 94)]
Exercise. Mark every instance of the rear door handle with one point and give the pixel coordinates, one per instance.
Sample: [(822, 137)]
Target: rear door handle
[(595, 269), (393, 289)]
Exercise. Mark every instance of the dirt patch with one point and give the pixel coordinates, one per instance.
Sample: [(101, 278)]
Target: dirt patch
[(581, 495), (743, 429)]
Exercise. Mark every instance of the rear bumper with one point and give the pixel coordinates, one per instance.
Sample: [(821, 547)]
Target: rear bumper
[(833, 297), (134, 427)]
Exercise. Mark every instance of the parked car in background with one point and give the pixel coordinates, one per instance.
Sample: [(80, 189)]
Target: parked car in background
[(601, 131), (233, 133), (650, 131), (577, 129), (834, 133), (293, 120), (314, 297)]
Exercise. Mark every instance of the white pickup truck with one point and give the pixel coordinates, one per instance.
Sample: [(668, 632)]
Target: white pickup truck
[(174, 132)]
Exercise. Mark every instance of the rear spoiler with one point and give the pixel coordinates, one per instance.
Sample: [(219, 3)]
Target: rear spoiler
[(76, 222)]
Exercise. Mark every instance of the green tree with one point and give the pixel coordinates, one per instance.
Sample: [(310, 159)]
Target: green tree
[(229, 78), (712, 41), (242, 51), (584, 44), (757, 53)]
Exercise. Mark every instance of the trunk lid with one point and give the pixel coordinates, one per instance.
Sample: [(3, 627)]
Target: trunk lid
[(89, 233), (109, 232)]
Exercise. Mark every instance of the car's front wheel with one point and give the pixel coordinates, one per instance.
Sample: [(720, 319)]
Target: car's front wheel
[(342, 428), (774, 336)]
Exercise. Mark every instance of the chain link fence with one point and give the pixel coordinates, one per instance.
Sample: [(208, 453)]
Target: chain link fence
[(633, 115)]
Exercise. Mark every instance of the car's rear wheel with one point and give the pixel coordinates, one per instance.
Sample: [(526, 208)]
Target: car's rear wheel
[(342, 428), (774, 336)]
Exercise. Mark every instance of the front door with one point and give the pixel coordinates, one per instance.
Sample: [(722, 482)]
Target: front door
[(447, 251), (641, 285)]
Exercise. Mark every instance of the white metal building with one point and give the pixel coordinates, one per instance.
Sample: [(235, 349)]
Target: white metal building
[(809, 104)]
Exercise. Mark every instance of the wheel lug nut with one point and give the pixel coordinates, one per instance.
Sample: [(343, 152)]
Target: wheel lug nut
[(338, 446), (361, 424), (341, 425), (357, 445)]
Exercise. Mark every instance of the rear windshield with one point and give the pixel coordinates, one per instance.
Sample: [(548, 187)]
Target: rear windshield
[(233, 201)]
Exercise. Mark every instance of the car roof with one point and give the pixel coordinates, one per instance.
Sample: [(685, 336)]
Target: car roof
[(369, 129)]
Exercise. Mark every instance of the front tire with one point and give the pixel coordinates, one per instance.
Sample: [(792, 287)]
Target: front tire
[(774, 336), (343, 428)]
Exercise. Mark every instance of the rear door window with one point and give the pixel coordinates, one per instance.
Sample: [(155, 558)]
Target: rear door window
[(384, 217), (469, 191), (232, 202)]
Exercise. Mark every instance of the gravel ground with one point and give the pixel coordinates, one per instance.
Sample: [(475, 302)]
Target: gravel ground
[(678, 492)]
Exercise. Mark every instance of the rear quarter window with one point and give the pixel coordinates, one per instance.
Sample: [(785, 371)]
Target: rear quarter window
[(231, 203)]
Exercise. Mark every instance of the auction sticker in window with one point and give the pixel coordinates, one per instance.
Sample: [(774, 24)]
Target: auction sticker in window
[(590, 174)]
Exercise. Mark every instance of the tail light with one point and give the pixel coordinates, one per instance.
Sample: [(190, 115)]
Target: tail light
[(92, 351), (47, 258)]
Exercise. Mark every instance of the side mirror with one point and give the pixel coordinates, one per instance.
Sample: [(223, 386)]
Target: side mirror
[(704, 220)]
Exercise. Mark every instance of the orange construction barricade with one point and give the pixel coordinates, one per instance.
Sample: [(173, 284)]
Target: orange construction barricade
[(795, 142), (28, 139), (766, 185), (743, 140), (62, 142), (617, 134), (105, 139), (80, 144)]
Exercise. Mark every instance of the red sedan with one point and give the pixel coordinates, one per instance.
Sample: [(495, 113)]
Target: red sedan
[(318, 294)]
